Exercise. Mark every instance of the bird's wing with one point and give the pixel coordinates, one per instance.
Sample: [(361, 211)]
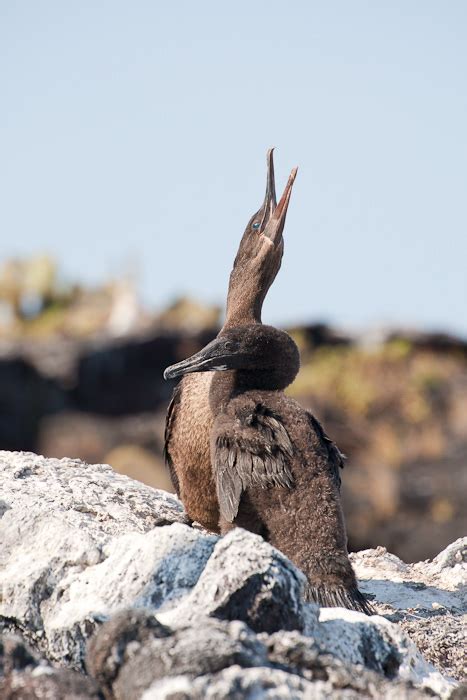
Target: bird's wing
[(253, 449), (169, 419), (336, 458)]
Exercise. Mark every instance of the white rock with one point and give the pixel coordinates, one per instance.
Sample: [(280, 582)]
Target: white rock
[(237, 559), (237, 682), (380, 645), (80, 542), (441, 583)]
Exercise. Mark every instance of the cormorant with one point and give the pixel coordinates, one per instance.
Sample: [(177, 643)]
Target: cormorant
[(275, 469), (189, 416)]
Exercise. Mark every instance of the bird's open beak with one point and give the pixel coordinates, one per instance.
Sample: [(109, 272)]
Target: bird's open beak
[(213, 357), (270, 202), (276, 221)]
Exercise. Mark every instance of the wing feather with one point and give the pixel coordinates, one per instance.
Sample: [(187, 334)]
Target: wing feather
[(254, 450), (336, 457), (171, 410)]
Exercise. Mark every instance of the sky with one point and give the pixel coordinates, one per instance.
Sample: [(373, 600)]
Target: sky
[(133, 136)]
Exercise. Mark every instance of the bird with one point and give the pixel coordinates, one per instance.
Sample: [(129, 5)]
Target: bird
[(189, 416), (276, 471)]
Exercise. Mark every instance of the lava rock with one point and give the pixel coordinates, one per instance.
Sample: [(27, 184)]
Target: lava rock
[(24, 676), (108, 649), (246, 579), (175, 612)]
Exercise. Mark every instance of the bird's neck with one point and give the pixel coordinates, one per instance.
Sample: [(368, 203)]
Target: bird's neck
[(244, 305), (231, 383), (221, 390)]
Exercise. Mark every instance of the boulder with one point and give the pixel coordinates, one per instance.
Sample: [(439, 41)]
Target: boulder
[(428, 599), (81, 542), (103, 575), (25, 676)]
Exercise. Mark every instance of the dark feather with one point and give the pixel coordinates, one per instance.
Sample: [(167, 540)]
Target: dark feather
[(256, 452), (336, 458), (174, 402)]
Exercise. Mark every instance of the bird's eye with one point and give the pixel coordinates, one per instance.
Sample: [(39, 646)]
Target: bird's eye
[(228, 345), (255, 225)]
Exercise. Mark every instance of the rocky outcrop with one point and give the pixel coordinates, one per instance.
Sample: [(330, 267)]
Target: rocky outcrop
[(101, 574), (224, 660)]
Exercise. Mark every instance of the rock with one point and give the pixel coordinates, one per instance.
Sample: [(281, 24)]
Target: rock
[(24, 676), (236, 683), (221, 659), (175, 612), (427, 599), (415, 586), (379, 645), (107, 650), (245, 579), (454, 554), (81, 543), (192, 651), (442, 640), (86, 496), (27, 396)]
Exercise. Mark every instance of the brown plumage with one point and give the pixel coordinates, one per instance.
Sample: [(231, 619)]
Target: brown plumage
[(189, 416), (276, 471)]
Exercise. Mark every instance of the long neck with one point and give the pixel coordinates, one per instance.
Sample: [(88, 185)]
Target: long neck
[(244, 304), (248, 285)]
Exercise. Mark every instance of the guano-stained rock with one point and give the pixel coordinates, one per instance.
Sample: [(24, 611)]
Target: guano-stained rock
[(175, 612)]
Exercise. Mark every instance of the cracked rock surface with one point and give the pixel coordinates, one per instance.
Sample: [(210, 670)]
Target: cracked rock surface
[(114, 594)]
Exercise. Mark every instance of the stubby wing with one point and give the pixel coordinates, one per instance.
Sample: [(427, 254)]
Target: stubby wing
[(252, 449), (169, 419), (336, 458)]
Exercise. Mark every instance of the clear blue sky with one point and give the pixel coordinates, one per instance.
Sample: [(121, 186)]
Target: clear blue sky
[(137, 131)]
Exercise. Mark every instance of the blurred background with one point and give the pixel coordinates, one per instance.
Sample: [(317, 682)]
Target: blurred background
[(133, 139)]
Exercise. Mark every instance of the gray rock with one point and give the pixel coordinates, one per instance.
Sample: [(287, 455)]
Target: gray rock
[(192, 651), (427, 599), (452, 556), (332, 657), (89, 496), (442, 640), (87, 552), (236, 683), (80, 542), (116, 640), (216, 659), (24, 676), (245, 579)]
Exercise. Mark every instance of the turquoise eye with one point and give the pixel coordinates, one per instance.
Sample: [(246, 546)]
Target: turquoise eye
[(256, 224)]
